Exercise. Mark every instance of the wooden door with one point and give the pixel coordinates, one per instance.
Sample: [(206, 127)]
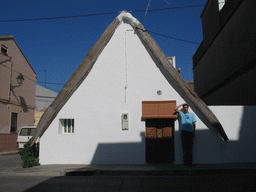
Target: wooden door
[(159, 141)]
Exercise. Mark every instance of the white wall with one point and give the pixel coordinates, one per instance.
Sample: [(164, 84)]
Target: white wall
[(97, 106), (238, 123), (221, 4), (100, 100)]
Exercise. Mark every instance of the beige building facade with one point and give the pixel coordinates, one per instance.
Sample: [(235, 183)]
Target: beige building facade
[(17, 99)]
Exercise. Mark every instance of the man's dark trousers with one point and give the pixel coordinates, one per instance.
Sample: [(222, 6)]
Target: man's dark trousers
[(187, 146)]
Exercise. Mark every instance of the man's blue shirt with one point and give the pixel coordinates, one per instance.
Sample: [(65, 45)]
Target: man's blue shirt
[(186, 121)]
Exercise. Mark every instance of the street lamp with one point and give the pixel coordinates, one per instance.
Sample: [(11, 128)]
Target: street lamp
[(20, 79)]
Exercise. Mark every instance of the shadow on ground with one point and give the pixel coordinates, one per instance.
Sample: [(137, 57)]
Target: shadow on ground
[(215, 182)]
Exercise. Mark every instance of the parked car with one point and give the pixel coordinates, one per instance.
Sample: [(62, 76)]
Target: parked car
[(25, 133)]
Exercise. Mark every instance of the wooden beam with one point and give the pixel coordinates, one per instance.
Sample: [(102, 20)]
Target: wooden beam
[(180, 85), (75, 80)]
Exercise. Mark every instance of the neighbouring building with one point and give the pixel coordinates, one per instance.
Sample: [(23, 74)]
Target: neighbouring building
[(38, 115), (224, 65), (173, 62), (44, 97), (118, 108), (17, 95)]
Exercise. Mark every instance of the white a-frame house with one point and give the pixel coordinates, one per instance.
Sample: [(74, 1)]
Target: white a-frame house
[(118, 107)]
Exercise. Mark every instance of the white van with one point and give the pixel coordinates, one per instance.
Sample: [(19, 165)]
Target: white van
[(25, 133)]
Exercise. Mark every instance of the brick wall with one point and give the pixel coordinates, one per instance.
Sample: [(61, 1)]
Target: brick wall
[(8, 142)]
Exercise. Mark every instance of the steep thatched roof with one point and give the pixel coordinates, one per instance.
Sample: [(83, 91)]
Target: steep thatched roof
[(173, 77)]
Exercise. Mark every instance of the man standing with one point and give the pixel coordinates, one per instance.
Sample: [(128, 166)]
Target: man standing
[(187, 122)]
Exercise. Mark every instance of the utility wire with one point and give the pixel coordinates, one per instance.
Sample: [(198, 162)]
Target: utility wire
[(172, 37), (16, 71), (146, 12), (99, 14), (51, 83), (61, 17), (167, 2), (30, 78), (48, 97), (168, 8), (95, 14)]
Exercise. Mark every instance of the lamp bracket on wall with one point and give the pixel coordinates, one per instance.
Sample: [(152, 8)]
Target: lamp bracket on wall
[(20, 80)]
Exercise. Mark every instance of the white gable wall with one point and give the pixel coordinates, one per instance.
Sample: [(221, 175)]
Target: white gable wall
[(100, 100), (123, 76)]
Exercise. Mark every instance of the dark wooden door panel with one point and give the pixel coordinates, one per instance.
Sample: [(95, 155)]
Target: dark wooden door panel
[(167, 132), (159, 141), (150, 132)]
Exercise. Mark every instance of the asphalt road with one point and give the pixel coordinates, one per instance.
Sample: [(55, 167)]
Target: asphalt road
[(233, 181), (10, 161), (238, 182)]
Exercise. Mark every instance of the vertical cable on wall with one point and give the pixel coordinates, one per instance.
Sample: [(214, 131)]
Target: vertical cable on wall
[(126, 63)]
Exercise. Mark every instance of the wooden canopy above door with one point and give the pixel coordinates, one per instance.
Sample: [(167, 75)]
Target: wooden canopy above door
[(158, 109)]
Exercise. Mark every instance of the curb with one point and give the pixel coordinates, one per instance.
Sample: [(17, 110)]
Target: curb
[(9, 153), (184, 172)]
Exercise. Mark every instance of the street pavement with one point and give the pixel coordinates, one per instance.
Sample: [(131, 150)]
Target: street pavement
[(147, 169), (131, 170), (150, 177)]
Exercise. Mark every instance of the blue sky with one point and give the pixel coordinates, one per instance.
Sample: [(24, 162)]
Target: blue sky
[(59, 45)]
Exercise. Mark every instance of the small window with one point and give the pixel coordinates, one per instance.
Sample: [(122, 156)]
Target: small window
[(66, 126), (172, 60), (4, 49)]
